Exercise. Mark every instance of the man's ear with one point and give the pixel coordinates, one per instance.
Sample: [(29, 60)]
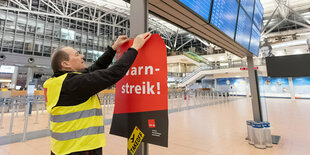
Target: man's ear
[(65, 64)]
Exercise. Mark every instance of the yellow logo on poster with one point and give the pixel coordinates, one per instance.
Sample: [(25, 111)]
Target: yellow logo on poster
[(135, 140)]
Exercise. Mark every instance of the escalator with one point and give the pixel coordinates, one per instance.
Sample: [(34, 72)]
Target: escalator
[(196, 59)]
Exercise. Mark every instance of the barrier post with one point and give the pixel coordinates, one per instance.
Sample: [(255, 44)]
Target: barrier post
[(12, 120), (37, 110), (2, 115)]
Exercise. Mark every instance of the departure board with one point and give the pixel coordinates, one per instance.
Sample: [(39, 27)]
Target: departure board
[(258, 14), (201, 7), (248, 6), (224, 16), (255, 39), (243, 29)]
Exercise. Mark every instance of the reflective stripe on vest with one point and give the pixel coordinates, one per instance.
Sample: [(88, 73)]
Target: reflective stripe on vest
[(77, 133), (73, 128), (76, 115)]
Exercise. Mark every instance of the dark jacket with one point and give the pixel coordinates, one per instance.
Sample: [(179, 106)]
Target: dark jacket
[(78, 88)]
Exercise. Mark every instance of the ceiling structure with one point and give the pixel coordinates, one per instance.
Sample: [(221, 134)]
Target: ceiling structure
[(284, 20)]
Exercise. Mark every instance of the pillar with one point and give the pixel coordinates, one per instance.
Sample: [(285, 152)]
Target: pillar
[(14, 78), (29, 75), (292, 89)]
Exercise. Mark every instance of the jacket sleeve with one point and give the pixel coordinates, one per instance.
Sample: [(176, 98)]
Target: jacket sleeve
[(103, 61), (83, 86)]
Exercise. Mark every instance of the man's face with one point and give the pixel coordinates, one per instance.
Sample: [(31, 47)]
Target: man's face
[(76, 61)]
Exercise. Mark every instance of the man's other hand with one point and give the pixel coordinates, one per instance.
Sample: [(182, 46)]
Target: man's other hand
[(140, 40), (120, 41)]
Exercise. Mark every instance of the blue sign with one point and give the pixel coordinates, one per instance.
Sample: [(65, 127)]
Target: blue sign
[(248, 6), (224, 16), (201, 7), (255, 39), (243, 29), (258, 15)]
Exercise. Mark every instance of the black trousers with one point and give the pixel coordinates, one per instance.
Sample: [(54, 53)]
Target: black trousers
[(88, 152)]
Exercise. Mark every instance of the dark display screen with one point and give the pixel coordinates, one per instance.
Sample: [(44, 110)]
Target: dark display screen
[(224, 16), (255, 38), (201, 7), (243, 29), (288, 66), (258, 14), (248, 6)]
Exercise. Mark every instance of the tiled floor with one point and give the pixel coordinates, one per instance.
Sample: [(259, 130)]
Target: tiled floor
[(216, 130)]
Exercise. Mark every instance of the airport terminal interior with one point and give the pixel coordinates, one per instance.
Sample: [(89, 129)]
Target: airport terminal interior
[(238, 79)]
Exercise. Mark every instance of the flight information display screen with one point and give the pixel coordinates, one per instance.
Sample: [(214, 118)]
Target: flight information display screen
[(201, 7), (258, 14), (255, 39), (243, 29), (248, 6), (224, 16)]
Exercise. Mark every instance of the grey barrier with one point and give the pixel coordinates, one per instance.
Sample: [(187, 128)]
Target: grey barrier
[(177, 101)]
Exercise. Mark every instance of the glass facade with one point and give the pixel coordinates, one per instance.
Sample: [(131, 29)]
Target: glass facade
[(88, 30)]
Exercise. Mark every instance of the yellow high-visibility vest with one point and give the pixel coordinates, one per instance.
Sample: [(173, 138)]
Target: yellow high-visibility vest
[(73, 128)]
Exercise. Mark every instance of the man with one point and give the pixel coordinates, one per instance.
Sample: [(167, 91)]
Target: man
[(76, 117)]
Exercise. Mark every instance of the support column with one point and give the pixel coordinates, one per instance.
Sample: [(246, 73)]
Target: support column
[(138, 24), (292, 89), (138, 17), (247, 87), (180, 68), (29, 75), (257, 114), (215, 84), (14, 78)]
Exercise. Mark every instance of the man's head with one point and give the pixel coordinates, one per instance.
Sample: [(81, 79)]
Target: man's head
[(67, 59)]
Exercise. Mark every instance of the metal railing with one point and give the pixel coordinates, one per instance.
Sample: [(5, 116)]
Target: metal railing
[(18, 112)]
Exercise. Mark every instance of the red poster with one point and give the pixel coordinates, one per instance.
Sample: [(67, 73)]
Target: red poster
[(141, 96)]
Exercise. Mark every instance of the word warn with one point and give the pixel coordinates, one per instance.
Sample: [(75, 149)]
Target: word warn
[(135, 140)]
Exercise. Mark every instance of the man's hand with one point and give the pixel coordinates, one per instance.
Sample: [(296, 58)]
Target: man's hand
[(120, 41), (140, 40)]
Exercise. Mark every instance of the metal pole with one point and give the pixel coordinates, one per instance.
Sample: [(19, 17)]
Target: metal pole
[(212, 97), (18, 105), (26, 121), (12, 120), (138, 20), (37, 109), (2, 114), (254, 91)]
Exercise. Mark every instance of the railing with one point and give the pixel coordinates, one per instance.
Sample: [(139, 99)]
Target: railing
[(196, 57), (25, 117), (195, 72), (232, 64)]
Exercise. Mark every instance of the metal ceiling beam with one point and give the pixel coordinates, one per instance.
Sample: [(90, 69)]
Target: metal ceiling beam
[(55, 6), (274, 11), (305, 19), (59, 12), (19, 4), (126, 19), (106, 13), (184, 44), (299, 23), (176, 39), (76, 11), (67, 7), (57, 15), (264, 34)]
